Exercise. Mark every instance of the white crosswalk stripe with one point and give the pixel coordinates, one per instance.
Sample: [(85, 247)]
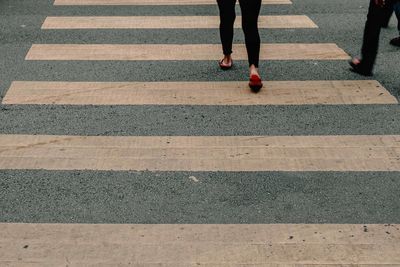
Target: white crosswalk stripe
[(198, 93), (200, 245), (153, 2), (217, 153), (170, 22), (327, 51)]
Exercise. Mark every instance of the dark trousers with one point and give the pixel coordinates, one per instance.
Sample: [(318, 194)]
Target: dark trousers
[(376, 18), (396, 8), (250, 12), (397, 11)]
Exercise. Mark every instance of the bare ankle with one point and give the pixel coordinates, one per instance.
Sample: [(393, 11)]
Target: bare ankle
[(254, 70), (227, 59)]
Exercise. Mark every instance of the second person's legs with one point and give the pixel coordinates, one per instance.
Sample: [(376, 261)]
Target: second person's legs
[(388, 16), (396, 41), (375, 20), (397, 11)]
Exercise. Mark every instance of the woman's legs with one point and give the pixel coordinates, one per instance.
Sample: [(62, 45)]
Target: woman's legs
[(228, 15), (250, 12)]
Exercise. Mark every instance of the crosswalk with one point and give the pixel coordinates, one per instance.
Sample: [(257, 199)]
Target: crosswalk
[(265, 153), (152, 2), (202, 245), (194, 245), (181, 52), (198, 93), (170, 22)]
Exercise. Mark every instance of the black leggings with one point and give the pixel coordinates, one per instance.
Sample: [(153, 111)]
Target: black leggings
[(250, 12)]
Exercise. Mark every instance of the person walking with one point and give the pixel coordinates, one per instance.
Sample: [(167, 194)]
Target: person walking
[(377, 15), (396, 9), (388, 16), (250, 13)]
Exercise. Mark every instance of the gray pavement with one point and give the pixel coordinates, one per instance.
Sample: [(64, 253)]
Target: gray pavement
[(132, 197), (146, 197)]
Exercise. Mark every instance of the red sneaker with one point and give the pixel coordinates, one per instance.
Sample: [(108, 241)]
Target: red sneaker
[(255, 83)]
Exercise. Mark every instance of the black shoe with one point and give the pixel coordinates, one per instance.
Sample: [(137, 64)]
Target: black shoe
[(395, 41), (359, 69)]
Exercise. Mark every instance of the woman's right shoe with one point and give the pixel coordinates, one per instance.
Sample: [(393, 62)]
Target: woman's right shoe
[(225, 66), (358, 68), (255, 83)]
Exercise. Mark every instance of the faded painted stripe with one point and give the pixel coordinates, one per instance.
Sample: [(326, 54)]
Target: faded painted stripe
[(205, 245), (181, 52), (198, 93), (152, 2), (169, 22), (191, 153)]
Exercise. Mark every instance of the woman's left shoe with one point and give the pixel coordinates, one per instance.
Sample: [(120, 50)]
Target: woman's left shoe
[(224, 66), (255, 83)]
